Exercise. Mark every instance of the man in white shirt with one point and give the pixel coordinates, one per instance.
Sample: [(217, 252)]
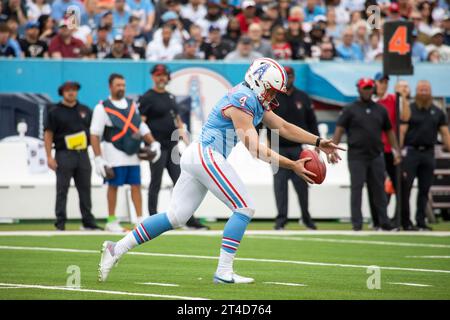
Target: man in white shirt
[(117, 120), (194, 10), (165, 47)]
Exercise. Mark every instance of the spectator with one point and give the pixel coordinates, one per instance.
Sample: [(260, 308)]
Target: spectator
[(418, 51), (59, 8), (118, 49), (334, 29), (214, 17), (248, 15), (6, 49), (216, 48), (295, 107), (83, 33), (394, 12), (196, 33), (102, 47), (313, 9), (194, 10), (416, 18), (46, 28), (446, 27), (273, 13), (426, 24), (139, 38), (364, 120), (420, 135), (327, 51), (349, 50), (404, 8), (165, 47), (361, 35), (67, 127), (175, 6), (437, 44), (171, 19), (92, 16), (31, 46), (16, 9), (313, 41), (342, 14), (233, 33), (13, 26), (120, 147), (3, 15), (295, 37), (36, 8), (259, 44), (132, 47), (375, 47), (283, 9), (190, 51), (145, 11), (64, 45), (121, 16), (159, 110), (244, 51), (266, 26), (280, 46), (434, 57)]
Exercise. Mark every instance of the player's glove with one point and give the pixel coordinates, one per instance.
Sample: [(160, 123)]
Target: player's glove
[(100, 165), (156, 148), (150, 153)]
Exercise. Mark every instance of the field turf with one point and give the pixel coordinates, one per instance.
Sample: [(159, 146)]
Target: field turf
[(180, 266)]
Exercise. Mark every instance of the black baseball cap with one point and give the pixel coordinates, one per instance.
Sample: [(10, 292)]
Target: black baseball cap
[(68, 85)]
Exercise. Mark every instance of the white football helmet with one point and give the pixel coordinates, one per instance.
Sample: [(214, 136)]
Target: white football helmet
[(266, 77)]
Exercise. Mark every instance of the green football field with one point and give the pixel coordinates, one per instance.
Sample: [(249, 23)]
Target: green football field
[(179, 265)]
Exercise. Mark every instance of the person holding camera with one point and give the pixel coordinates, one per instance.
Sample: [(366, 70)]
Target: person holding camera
[(118, 122)]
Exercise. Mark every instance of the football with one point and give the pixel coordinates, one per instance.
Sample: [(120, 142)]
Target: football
[(315, 165)]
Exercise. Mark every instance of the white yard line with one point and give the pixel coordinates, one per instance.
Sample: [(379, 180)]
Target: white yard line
[(158, 284), (411, 284), (429, 257), (382, 243), (186, 256), (287, 284), (248, 232), (122, 293)]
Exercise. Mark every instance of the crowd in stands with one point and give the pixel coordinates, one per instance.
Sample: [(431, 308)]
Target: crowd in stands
[(232, 30)]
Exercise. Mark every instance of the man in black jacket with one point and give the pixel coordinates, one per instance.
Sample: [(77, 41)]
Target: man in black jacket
[(295, 107), (159, 110), (67, 127), (363, 121)]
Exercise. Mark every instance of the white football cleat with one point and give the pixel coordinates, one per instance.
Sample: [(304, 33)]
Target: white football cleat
[(231, 277), (107, 260), (114, 227)]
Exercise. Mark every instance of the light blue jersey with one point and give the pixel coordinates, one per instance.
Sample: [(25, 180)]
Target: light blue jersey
[(218, 132)]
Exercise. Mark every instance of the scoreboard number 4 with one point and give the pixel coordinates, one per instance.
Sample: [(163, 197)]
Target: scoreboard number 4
[(398, 43)]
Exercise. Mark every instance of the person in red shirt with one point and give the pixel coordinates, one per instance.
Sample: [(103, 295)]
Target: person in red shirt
[(388, 100), (64, 45), (248, 15), (281, 48)]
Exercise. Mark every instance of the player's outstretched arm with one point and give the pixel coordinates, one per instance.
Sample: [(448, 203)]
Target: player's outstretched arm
[(243, 124), (292, 132)]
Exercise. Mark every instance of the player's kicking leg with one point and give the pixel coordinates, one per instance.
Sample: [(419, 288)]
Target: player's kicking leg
[(186, 197), (221, 179)]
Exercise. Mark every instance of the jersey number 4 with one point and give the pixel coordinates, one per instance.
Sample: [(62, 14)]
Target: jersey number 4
[(243, 100)]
